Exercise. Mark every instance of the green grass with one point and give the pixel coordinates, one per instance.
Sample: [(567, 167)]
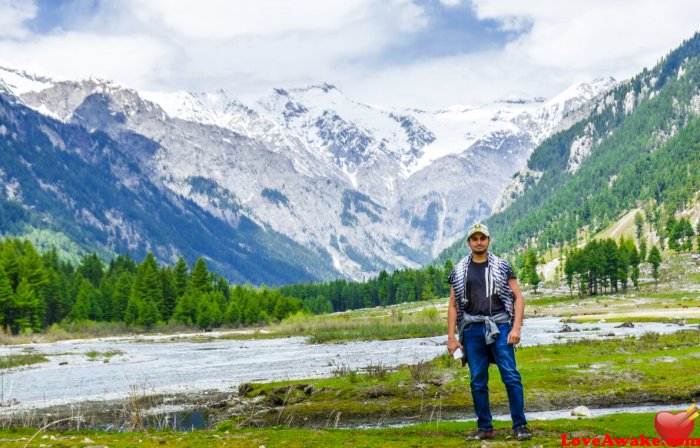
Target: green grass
[(9, 361), (685, 295), (561, 300), (653, 368), (373, 324), (93, 355), (436, 434), (668, 320)]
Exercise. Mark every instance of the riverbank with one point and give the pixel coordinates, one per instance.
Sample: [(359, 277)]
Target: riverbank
[(360, 387), (596, 373), (442, 434)]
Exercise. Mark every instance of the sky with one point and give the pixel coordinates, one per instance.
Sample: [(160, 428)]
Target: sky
[(427, 54)]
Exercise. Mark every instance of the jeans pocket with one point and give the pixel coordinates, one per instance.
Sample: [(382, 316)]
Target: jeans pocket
[(463, 336)]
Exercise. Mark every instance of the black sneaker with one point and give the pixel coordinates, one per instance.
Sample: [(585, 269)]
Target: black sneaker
[(481, 435), (522, 433)]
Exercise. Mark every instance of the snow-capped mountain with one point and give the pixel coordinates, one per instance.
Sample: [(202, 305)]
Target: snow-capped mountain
[(365, 187)]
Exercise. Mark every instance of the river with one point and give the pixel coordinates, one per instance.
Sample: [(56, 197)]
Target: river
[(156, 366)]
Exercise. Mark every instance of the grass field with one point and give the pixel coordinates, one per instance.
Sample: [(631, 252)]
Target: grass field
[(600, 373), (442, 434), (23, 359)]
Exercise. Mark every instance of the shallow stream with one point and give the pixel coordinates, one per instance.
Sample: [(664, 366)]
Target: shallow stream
[(153, 365)]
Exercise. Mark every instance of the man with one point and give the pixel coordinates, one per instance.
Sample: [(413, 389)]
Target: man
[(486, 308)]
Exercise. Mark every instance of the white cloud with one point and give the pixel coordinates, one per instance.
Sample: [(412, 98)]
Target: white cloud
[(451, 3), (132, 60), (13, 14), (248, 47), (595, 34), (561, 43), (239, 45), (226, 19)]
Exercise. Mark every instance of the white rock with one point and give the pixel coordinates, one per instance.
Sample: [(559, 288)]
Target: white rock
[(581, 411)]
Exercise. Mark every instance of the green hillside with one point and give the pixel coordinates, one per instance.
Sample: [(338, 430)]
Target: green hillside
[(644, 152)]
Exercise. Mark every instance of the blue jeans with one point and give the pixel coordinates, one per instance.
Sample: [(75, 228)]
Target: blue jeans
[(477, 358)]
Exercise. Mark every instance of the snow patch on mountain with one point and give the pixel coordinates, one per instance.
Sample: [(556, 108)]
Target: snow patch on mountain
[(19, 81), (371, 188)]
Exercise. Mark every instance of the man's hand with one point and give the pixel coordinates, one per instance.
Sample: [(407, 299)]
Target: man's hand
[(452, 345), (514, 336)]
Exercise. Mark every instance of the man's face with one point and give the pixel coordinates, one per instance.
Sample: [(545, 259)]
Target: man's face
[(479, 243)]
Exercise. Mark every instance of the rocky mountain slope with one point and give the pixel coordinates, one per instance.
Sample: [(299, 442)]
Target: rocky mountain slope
[(637, 150), (356, 187)]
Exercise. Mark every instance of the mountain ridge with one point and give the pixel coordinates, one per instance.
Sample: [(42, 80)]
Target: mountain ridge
[(611, 162), (303, 166)]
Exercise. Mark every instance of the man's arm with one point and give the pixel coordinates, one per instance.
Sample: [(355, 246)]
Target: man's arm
[(519, 305), (452, 342)]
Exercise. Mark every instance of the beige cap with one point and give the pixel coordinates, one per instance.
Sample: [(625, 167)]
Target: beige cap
[(478, 228)]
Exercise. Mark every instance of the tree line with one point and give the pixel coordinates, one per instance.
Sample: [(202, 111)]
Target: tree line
[(39, 290), (405, 285), (607, 266)]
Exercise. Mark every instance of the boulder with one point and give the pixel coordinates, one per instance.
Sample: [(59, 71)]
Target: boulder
[(581, 411)]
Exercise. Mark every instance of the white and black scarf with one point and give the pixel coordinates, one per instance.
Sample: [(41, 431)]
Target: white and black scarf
[(497, 282)]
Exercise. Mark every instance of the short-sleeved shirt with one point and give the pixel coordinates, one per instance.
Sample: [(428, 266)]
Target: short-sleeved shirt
[(479, 304)]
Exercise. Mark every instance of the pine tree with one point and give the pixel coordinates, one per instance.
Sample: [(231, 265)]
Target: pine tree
[(120, 296), (147, 287), (624, 257), (634, 262), (149, 315), (131, 314), (26, 303), (9, 260), (186, 310), (611, 255), (92, 269), (105, 298), (32, 269), (655, 260), (672, 233), (50, 259), (181, 276), (201, 280), (639, 224), (63, 289), (53, 299), (83, 309), (684, 232), (208, 312), (169, 293), (233, 313), (252, 312), (122, 263), (529, 272), (6, 302), (284, 306), (383, 292), (569, 270), (447, 267), (220, 284)]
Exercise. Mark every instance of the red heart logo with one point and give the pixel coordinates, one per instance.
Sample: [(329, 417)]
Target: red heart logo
[(673, 428)]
